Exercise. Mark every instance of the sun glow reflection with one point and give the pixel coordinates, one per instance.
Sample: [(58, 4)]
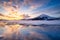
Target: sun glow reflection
[(11, 30)]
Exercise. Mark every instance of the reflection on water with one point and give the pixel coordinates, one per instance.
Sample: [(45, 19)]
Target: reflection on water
[(29, 32)]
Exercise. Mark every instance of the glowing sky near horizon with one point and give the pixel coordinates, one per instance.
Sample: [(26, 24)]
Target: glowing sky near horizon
[(33, 8)]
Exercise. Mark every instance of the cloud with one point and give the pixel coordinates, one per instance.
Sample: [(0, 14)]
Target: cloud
[(27, 6), (33, 4), (1, 14), (57, 12)]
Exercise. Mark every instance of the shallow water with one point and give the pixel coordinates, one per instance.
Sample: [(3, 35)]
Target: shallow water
[(29, 32)]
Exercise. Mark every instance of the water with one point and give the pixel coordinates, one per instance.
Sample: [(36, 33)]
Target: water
[(29, 32)]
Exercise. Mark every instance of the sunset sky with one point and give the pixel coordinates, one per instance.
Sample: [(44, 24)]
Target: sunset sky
[(32, 8)]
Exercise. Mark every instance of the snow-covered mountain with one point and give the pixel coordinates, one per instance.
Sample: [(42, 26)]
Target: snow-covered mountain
[(44, 17)]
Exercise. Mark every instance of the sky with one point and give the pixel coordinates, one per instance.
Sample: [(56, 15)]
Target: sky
[(33, 8)]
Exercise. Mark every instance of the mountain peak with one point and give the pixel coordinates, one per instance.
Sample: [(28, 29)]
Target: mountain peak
[(44, 15)]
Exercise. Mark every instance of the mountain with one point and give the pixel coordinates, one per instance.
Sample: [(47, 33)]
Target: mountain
[(44, 17)]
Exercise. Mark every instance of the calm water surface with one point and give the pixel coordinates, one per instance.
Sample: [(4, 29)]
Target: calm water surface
[(29, 32)]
